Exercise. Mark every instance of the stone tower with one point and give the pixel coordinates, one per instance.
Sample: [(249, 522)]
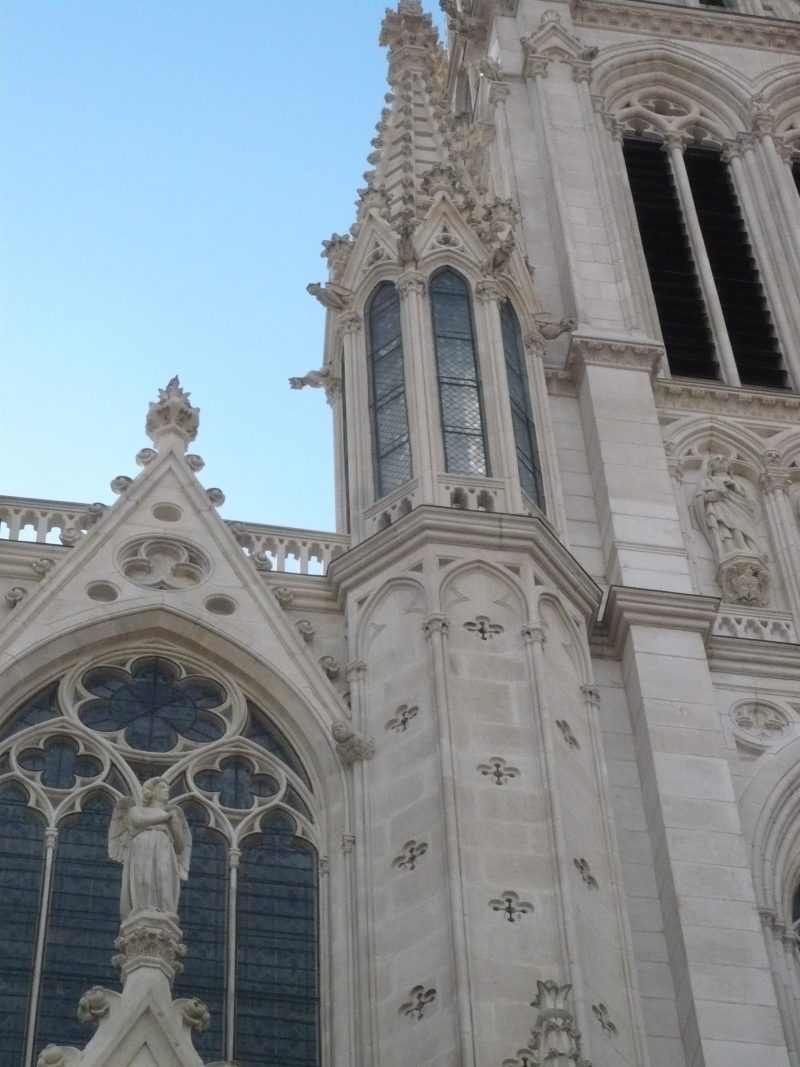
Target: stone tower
[(504, 772)]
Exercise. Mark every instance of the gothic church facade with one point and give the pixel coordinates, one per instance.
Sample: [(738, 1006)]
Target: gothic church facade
[(504, 772)]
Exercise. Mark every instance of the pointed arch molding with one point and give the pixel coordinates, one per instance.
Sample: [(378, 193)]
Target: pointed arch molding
[(164, 630), (770, 808), (721, 94)]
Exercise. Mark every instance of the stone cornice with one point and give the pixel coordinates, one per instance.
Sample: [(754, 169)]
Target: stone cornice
[(489, 532), (773, 406), (765, 659), (695, 24), (608, 352), (627, 606)]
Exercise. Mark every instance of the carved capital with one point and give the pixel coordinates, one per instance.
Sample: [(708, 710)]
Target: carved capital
[(150, 939), (436, 624), (592, 694), (775, 480), (488, 291), (676, 139), (411, 282), (534, 633), (356, 670), (350, 323), (348, 843)]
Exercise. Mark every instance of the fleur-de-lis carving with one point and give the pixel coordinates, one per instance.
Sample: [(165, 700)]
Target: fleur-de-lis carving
[(567, 734), (602, 1016), (499, 770), (412, 850), (402, 717), (511, 906), (483, 627), (420, 999), (582, 866)]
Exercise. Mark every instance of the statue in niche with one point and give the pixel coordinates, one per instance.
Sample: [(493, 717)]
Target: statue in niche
[(728, 510), (153, 843)]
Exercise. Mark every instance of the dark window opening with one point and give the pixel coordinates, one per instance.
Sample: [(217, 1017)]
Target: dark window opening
[(739, 288), (673, 277)]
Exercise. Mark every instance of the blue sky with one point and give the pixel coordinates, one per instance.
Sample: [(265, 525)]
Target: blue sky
[(170, 169)]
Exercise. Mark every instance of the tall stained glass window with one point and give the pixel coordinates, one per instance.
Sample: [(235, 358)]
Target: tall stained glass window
[(249, 908), (459, 381), (391, 444), (530, 472)]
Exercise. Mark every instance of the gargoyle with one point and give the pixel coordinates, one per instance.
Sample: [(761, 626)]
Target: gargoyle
[(315, 378), (331, 296), (552, 328)]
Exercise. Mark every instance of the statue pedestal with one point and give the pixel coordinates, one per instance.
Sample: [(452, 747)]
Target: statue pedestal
[(150, 939), (744, 579)]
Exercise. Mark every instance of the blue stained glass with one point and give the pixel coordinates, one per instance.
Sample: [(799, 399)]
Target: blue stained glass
[(59, 763), (38, 709), (277, 1003), (82, 924), (236, 783), (152, 704), (266, 735), (204, 921), (530, 474), (21, 866), (459, 382)]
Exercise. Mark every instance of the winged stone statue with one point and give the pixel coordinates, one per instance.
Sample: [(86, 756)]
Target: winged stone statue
[(153, 842)]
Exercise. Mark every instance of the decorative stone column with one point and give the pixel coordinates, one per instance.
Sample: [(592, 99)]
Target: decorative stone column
[(435, 627), (774, 484), (356, 398), (675, 142), (497, 407), (421, 391)]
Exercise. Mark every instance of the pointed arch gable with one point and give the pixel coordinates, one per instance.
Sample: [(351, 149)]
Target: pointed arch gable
[(364, 628), (494, 573), (578, 651), (687, 434)]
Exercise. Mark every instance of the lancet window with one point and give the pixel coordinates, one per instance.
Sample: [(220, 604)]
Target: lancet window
[(710, 300), (391, 444), (249, 908), (530, 472), (460, 399)]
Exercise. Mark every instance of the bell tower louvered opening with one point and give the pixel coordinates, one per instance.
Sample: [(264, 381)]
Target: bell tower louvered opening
[(741, 294), (676, 289)]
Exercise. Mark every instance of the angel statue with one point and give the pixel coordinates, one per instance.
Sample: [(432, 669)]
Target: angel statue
[(153, 843)]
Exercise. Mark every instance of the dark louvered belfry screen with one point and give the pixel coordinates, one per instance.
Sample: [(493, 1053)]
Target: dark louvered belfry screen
[(796, 175), (676, 290), (741, 294)]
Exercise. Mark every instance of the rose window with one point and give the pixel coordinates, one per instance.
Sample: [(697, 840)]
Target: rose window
[(151, 706)]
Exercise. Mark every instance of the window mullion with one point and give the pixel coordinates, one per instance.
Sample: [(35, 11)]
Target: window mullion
[(230, 984), (50, 838), (675, 145)]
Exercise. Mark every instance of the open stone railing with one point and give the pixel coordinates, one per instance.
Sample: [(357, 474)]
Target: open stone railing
[(272, 548)]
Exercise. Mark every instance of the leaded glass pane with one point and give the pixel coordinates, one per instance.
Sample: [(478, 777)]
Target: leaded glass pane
[(204, 921), (530, 475), (459, 382), (21, 865), (276, 960), (391, 448), (82, 924), (38, 709), (59, 763)]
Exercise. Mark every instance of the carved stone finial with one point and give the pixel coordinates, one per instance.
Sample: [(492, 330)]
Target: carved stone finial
[(350, 744), (172, 416)]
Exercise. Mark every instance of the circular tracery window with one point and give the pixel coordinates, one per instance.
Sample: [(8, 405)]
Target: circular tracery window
[(152, 704)]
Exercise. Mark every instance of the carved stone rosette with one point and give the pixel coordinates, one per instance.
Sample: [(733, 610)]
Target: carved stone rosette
[(150, 939)]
